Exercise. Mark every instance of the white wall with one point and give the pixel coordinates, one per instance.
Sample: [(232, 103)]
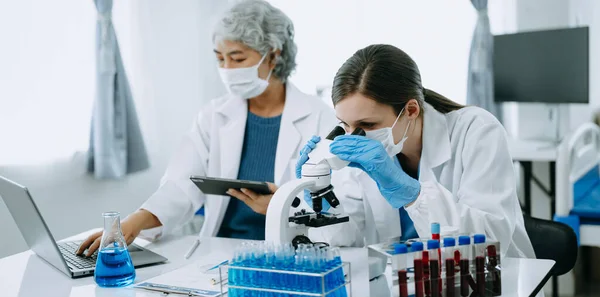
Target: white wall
[(328, 32), (168, 55)]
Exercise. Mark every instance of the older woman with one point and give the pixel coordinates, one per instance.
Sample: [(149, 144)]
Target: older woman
[(253, 133)]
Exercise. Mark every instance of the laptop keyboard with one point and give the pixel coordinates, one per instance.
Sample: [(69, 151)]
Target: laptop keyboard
[(68, 249)]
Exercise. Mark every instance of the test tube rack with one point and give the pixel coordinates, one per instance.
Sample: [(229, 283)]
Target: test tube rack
[(484, 283), (238, 281)]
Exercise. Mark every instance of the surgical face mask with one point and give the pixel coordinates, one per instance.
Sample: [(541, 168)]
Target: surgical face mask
[(386, 137), (244, 82)]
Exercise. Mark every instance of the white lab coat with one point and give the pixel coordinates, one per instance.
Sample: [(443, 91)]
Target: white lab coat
[(213, 148), (467, 184)]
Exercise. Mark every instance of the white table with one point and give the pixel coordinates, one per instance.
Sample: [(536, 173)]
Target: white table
[(528, 151), (27, 275), (533, 150)]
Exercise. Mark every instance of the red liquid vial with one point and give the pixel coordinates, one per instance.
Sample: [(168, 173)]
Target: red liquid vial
[(402, 283), (418, 277), (435, 278), (464, 277), (426, 281), (479, 250), (450, 277), (480, 275), (493, 270)]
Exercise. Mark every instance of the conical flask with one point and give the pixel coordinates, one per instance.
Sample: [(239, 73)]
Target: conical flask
[(113, 266)]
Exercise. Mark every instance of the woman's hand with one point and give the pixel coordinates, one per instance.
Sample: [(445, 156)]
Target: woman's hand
[(92, 243), (259, 203), (130, 226), (397, 187), (310, 145)]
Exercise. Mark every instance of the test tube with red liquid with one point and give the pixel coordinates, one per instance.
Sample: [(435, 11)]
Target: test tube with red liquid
[(435, 231), (433, 246), (399, 266), (464, 247), (493, 268), (435, 234), (479, 251), (449, 264), (417, 249)]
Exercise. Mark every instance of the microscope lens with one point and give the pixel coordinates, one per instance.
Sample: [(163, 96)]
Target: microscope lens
[(317, 204), (332, 199)]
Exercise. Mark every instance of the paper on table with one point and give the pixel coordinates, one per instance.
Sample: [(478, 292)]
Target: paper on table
[(193, 276)]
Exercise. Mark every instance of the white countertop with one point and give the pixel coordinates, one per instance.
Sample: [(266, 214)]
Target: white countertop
[(27, 275)]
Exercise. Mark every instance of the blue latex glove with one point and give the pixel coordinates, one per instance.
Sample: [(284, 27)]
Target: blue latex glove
[(397, 187), (310, 145)]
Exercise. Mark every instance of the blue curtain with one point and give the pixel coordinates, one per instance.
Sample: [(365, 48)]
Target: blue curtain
[(480, 85), (116, 143)]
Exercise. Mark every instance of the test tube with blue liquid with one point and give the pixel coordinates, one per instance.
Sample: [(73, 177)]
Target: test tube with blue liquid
[(281, 261), (113, 265)]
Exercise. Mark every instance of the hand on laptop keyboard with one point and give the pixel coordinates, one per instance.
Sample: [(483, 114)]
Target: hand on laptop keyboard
[(92, 243)]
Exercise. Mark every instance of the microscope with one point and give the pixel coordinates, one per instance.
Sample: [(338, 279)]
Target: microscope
[(316, 178)]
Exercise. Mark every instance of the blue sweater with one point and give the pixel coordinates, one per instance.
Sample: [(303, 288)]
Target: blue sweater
[(257, 163)]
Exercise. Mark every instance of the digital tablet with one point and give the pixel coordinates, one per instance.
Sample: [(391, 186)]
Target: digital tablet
[(219, 186)]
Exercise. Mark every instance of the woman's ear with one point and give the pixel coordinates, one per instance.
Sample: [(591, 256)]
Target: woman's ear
[(412, 109), (273, 57)]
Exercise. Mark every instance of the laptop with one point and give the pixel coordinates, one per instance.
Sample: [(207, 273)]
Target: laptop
[(60, 255)]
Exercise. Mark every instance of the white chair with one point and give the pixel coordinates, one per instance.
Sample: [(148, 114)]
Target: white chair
[(578, 184)]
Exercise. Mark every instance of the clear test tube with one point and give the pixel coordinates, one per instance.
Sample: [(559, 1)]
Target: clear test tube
[(433, 246), (449, 264), (417, 251), (464, 247), (399, 267), (479, 251)]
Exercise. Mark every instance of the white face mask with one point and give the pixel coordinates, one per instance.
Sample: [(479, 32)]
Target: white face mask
[(244, 82), (386, 137)]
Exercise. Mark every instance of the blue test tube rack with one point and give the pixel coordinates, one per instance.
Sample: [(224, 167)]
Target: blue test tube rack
[(274, 271)]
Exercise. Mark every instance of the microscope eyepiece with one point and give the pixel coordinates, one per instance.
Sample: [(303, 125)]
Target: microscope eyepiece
[(359, 131), (337, 131)]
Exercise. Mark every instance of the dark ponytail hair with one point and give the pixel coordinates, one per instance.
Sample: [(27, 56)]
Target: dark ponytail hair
[(387, 75)]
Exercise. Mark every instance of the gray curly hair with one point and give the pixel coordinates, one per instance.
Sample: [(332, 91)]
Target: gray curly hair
[(262, 27)]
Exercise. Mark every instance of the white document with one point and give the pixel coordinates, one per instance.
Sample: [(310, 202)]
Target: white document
[(202, 277)]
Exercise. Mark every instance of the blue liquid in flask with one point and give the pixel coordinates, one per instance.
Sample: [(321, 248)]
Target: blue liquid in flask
[(113, 266)]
